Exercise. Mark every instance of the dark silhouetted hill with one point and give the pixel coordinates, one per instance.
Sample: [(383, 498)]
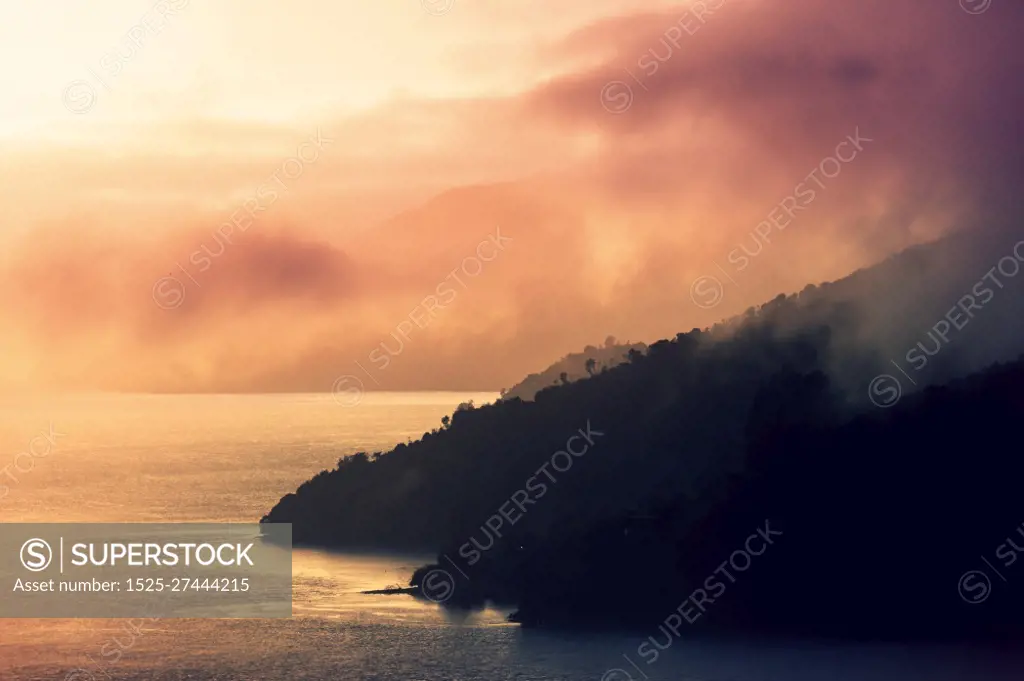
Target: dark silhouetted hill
[(689, 448)]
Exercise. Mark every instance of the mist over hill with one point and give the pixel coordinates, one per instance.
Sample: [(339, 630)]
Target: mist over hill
[(523, 499)]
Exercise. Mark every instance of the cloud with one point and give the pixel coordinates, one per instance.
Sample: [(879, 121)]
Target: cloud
[(612, 215)]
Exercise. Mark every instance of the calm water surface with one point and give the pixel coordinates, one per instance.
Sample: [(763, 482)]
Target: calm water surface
[(230, 458)]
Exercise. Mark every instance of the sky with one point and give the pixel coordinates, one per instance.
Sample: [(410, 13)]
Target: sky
[(450, 194)]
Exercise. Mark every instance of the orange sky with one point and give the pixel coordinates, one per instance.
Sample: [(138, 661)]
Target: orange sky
[(624, 150)]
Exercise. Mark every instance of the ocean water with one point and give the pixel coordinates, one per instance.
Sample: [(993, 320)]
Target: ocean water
[(229, 458)]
